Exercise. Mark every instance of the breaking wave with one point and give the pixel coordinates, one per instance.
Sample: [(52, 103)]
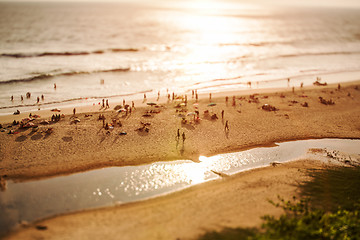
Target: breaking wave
[(51, 75), (74, 53)]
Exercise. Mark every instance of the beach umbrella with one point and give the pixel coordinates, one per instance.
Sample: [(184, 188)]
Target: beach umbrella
[(211, 104), (151, 103)]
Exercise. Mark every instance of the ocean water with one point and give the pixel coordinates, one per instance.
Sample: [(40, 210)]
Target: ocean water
[(137, 48)]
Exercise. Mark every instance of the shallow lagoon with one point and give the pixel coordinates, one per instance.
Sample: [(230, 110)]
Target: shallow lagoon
[(33, 200)]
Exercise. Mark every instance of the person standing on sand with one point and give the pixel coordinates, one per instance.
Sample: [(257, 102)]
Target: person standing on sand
[(178, 134), (209, 97), (222, 115), (107, 103), (133, 104), (226, 125), (183, 137), (74, 111), (54, 85), (103, 103)]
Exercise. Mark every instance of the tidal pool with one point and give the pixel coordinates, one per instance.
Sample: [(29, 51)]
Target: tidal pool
[(34, 200)]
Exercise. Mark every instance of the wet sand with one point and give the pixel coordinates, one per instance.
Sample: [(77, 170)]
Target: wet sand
[(235, 201)]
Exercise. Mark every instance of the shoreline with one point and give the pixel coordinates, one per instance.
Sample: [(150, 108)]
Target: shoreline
[(306, 78), (78, 147), (92, 105)]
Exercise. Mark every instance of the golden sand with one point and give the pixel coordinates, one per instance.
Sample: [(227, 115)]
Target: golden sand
[(235, 201)]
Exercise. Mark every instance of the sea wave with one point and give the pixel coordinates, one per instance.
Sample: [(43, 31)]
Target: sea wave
[(51, 75), (67, 53), (319, 53)]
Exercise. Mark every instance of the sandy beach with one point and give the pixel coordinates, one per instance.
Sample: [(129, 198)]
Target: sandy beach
[(238, 200)]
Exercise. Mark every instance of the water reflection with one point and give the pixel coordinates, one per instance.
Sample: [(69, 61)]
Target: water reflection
[(29, 201)]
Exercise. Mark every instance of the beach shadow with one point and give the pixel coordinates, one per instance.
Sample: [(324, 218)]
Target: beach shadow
[(187, 126), (102, 139), (21, 138), (227, 134), (182, 150), (20, 129), (177, 142), (47, 135), (67, 139), (36, 136), (31, 133), (142, 133)]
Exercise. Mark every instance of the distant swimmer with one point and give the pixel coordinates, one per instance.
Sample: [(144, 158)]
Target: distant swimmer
[(54, 85)]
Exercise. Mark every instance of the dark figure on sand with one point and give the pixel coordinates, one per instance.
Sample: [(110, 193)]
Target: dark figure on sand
[(227, 125), (183, 137)]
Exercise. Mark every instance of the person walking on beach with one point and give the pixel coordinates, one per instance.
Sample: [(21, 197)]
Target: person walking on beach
[(107, 103), (42, 97), (222, 115), (178, 134), (226, 126), (54, 85), (103, 103), (38, 100), (133, 104), (183, 137), (209, 97), (196, 96), (74, 111)]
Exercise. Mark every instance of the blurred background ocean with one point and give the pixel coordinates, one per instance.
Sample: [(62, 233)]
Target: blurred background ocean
[(137, 48)]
